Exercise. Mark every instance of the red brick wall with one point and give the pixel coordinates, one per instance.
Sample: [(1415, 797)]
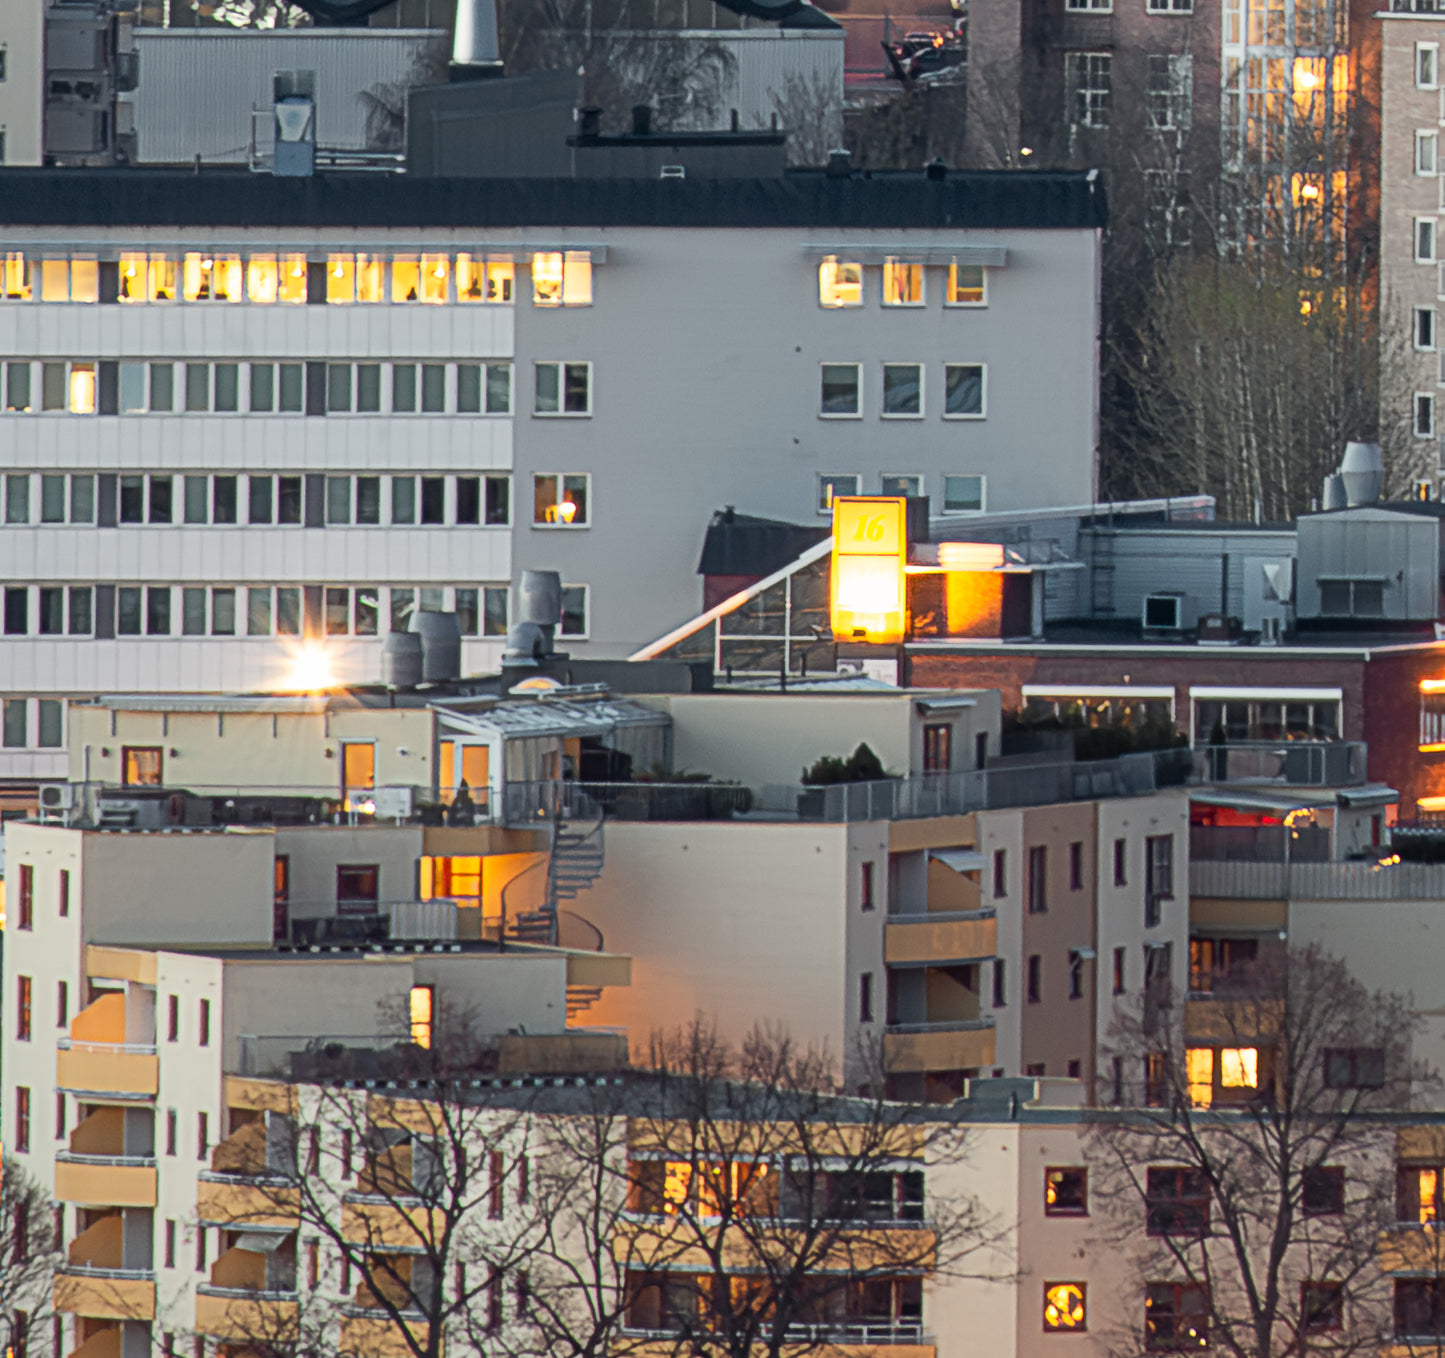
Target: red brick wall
[(1392, 723)]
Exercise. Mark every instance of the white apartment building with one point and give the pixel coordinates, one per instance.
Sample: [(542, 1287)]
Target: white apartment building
[(22, 79), (253, 420)]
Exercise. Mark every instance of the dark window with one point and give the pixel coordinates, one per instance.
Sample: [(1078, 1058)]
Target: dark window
[(259, 499), (1419, 1307), (27, 897), (1322, 1191), (1119, 955), (158, 611), (1159, 881), (203, 1035), (368, 499), (161, 506), (24, 1009), (132, 499), (499, 500), (64, 892), (62, 1004), (170, 1257), (203, 1136), (52, 610), (866, 887), (937, 748), (1076, 866), (1121, 862), (1034, 982), (1000, 989), (497, 1194), (1066, 1192), (1038, 883), (1176, 1316), (17, 610), (357, 888), (469, 499), (865, 997), (22, 1118), (171, 1133), (1076, 975), (1354, 1067), (1322, 1306), (173, 1018), (1000, 872), (223, 499), (288, 499), (1177, 1202), (433, 499)]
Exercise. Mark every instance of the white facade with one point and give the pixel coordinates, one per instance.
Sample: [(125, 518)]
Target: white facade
[(22, 79), (198, 491)]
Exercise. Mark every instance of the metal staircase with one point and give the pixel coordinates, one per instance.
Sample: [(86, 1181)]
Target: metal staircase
[(574, 861)]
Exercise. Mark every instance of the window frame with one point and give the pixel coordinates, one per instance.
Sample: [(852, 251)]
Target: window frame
[(559, 480), (839, 263), (950, 287), (586, 632), (825, 482), (883, 412), (982, 480), (857, 412), (562, 365), (1426, 244), (1053, 1209), (1432, 51), (1420, 325), (1423, 414), (892, 263), (1427, 148), (982, 412)]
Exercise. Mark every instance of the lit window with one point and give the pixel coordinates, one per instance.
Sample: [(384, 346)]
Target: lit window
[(161, 279), (291, 286), (560, 501), (341, 278), (261, 282), (55, 280), (82, 389), (84, 280), (562, 279), (405, 280), (500, 273), (131, 286), (966, 285), (1066, 1192), (211, 278), (421, 1015), (370, 279), (902, 283), (1239, 1068), (963, 391), (842, 391), (1064, 1307), (840, 282), (1199, 1068), (435, 270), (16, 278), (563, 389)]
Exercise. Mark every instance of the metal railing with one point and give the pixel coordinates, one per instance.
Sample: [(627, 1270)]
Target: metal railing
[(246, 1293), (1372, 881), (97, 1271), (940, 1026), (940, 916), (839, 1332), (108, 1161), (65, 1044), (1291, 763)]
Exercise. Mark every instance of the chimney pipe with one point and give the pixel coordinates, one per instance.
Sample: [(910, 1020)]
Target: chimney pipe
[(840, 164), (589, 121), (641, 120), (475, 52)]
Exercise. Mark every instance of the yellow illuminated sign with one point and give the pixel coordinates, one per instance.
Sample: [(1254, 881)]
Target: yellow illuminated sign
[(870, 549)]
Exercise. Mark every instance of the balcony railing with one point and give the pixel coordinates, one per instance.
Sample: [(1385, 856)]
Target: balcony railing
[(1293, 763), (66, 1044), (142, 1275), (842, 1332), (1371, 881), (244, 1293), (941, 1026), (109, 1161)]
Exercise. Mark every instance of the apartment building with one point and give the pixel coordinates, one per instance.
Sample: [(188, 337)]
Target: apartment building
[(143, 973), (279, 418), (1410, 202)]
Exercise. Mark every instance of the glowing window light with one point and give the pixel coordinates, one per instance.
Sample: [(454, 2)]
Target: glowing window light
[(421, 1015), (1064, 1306), (1239, 1068)]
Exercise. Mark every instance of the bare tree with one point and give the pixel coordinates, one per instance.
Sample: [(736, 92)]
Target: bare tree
[(731, 1202), (809, 109), (1256, 1158), (29, 1256)]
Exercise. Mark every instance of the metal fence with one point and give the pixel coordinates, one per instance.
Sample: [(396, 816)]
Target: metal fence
[(1380, 881)]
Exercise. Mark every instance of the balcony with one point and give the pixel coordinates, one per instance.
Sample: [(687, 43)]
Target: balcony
[(836, 1246), (106, 1294), (106, 1180), (390, 1222), (1233, 1019), (126, 1071), (1384, 880), (965, 936), (958, 1044), (243, 1314), (1410, 1248), (862, 1339), (1289, 763), (237, 1201), (367, 1333)]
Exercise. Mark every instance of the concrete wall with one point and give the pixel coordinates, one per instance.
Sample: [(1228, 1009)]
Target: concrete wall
[(316, 851), (256, 750), (187, 887), (22, 38), (740, 923), (1003, 831)]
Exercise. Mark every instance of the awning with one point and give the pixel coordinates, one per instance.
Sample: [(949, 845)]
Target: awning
[(960, 860), (1373, 794), (1276, 803), (261, 1242), (990, 256), (930, 705)]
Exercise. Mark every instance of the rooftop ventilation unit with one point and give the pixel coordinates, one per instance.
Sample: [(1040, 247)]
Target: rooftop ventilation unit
[(1168, 613)]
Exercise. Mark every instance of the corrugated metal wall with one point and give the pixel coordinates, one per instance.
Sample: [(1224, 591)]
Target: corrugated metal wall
[(197, 89)]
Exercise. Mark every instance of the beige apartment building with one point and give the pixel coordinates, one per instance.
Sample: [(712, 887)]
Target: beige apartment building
[(1412, 208)]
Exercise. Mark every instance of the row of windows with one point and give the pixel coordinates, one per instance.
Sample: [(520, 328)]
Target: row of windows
[(902, 283), (559, 499), (1150, 6), (253, 611), (559, 278), (1177, 1315), (901, 393), (1177, 1200), (106, 387), (1168, 90), (963, 494)]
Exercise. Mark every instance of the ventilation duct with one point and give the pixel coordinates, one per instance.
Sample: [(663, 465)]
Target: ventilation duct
[(475, 51)]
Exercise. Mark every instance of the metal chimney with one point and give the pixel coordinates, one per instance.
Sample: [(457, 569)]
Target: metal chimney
[(1362, 470), (476, 54)]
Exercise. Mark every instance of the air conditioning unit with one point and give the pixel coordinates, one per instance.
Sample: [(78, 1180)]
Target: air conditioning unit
[(1168, 613), (57, 796)]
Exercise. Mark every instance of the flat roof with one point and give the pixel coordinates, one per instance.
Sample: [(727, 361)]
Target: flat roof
[(76, 198)]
